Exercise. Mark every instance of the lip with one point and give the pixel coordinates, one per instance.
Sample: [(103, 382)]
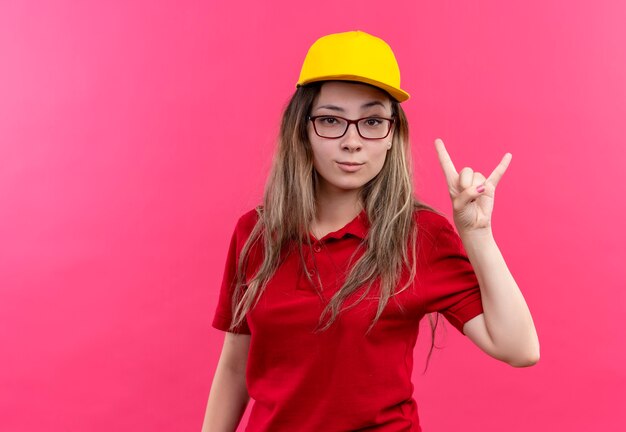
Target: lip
[(349, 166)]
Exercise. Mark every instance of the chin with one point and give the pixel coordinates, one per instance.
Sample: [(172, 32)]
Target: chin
[(348, 185), (344, 182)]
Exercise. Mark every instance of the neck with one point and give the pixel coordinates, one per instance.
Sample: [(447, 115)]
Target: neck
[(337, 207)]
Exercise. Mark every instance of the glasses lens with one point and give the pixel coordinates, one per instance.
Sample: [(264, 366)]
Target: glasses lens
[(330, 127), (374, 127)]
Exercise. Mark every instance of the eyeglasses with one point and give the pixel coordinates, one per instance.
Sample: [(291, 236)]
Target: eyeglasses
[(333, 127)]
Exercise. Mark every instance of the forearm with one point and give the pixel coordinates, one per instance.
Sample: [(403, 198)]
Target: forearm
[(227, 402), (507, 318)]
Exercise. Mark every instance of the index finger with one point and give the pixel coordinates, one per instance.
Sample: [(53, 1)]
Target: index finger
[(446, 162)]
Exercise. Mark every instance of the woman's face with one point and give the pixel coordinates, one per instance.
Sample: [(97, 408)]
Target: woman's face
[(352, 101)]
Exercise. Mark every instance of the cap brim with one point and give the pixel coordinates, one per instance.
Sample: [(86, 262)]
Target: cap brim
[(398, 94)]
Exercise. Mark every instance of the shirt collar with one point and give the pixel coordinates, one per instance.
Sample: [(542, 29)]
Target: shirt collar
[(357, 227)]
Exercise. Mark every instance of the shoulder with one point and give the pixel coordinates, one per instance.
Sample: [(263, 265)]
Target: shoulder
[(248, 220), (431, 221), (241, 233), (245, 224), (434, 230)]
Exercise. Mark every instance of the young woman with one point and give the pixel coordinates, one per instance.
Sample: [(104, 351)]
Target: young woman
[(326, 282)]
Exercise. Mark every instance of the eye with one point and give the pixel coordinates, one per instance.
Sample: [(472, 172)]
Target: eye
[(328, 120), (373, 121)]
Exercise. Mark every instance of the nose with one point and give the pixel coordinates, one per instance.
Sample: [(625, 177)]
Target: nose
[(352, 140)]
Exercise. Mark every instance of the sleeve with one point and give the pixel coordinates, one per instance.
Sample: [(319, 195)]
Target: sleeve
[(223, 312), (452, 287)]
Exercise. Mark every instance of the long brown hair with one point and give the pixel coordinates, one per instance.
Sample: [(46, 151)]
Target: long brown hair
[(289, 207)]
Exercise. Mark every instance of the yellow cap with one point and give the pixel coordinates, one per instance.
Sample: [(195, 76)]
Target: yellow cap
[(353, 56)]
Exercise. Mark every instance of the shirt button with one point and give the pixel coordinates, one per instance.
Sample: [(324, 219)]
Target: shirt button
[(311, 273), (316, 247)]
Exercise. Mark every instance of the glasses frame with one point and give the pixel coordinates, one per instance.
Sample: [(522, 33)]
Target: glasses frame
[(356, 124)]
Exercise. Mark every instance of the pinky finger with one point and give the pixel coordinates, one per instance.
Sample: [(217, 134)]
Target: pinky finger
[(499, 171)]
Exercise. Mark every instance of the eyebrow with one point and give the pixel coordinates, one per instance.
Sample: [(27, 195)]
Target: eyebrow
[(336, 108)]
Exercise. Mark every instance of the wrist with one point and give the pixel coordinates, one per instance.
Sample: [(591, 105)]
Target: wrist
[(479, 235)]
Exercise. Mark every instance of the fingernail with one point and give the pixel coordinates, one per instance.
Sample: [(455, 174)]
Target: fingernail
[(480, 189)]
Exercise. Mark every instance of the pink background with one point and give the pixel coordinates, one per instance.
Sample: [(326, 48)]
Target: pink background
[(133, 134)]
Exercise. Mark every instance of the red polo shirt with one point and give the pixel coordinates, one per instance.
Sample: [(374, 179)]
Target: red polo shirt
[(342, 380)]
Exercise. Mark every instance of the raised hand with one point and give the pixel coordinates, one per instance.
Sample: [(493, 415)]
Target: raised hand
[(472, 195)]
